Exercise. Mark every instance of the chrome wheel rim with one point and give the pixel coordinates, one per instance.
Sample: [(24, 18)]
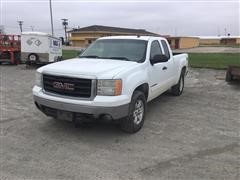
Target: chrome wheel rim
[(138, 112)]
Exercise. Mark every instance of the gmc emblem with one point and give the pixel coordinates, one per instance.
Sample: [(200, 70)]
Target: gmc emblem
[(63, 86)]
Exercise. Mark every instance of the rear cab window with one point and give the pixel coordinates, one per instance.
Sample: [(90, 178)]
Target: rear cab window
[(155, 49), (165, 48)]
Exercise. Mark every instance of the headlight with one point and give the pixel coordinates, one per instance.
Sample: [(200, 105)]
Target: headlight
[(38, 79), (109, 87)]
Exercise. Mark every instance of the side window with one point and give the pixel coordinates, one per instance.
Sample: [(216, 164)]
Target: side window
[(165, 47), (155, 49), (55, 43)]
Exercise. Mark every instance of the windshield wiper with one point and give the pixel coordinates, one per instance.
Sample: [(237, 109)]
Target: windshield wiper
[(97, 57), (90, 56), (120, 58)]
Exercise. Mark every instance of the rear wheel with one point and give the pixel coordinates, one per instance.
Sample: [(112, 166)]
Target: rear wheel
[(33, 58), (177, 89), (59, 58), (135, 119)]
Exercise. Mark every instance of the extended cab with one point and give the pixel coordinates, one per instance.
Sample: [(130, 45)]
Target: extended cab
[(114, 77)]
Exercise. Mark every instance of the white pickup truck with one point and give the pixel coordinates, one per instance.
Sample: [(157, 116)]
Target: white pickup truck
[(115, 77)]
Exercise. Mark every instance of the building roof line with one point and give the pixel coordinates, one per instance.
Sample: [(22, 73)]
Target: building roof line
[(97, 28)]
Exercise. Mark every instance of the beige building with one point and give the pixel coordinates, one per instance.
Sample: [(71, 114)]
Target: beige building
[(230, 41), (209, 41), (82, 37), (218, 40), (183, 42)]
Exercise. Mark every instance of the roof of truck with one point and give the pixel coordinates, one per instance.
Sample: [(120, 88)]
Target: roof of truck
[(146, 38)]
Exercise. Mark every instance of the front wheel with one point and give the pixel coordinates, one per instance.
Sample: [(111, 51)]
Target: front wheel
[(177, 89), (135, 119)]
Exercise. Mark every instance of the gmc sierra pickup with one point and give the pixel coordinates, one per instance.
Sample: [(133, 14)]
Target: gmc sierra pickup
[(114, 77)]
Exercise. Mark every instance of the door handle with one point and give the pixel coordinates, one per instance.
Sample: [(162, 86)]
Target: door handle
[(164, 68)]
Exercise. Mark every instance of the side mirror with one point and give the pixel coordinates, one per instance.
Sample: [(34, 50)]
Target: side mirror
[(158, 59), (80, 52)]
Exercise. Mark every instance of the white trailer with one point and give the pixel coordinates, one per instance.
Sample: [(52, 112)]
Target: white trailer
[(40, 48)]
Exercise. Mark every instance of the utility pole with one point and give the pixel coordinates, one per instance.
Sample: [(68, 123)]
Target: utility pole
[(20, 25), (225, 30), (65, 23), (50, 5)]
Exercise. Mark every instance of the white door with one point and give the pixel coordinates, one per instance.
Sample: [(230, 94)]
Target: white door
[(158, 72), (170, 65)]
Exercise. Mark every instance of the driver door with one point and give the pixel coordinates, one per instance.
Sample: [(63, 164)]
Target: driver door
[(157, 72)]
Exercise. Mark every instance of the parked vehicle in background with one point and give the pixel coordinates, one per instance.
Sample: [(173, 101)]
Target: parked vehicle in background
[(40, 48), (10, 49), (114, 77)]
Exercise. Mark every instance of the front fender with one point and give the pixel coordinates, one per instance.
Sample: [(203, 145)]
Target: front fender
[(132, 78)]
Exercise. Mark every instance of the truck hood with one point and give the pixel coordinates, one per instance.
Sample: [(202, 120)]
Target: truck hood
[(94, 68)]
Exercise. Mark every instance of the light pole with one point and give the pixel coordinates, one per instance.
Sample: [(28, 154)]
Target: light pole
[(50, 5), (20, 25), (65, 23)]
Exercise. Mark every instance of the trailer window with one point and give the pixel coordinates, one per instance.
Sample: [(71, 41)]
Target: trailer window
[(55, 43)]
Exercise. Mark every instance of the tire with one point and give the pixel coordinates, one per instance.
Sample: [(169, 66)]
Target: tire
[(135, 119), (177, 89), (59, 58), (33, 58), (229, 77)]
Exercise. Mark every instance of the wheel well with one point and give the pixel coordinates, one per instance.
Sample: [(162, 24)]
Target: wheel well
[(144, 88), (184, 69)]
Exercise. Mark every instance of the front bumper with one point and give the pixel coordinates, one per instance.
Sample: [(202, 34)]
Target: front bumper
[(117, 107)]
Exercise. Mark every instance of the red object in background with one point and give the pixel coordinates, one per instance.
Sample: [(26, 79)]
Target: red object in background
[(10, 48)]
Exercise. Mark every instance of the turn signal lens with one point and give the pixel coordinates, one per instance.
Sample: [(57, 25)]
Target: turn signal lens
[(118, 87)]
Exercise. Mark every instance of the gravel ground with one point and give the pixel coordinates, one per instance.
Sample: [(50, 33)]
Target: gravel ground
[(194, 136)]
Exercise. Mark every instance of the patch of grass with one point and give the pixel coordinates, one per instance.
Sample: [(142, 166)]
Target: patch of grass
[(213, 60), (196, 60), (220, 45), (68, 54)]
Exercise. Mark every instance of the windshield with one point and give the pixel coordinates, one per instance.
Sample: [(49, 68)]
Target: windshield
[(119, 49)]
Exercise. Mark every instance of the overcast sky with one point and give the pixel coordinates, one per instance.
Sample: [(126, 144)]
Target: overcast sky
[(191, 18)]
